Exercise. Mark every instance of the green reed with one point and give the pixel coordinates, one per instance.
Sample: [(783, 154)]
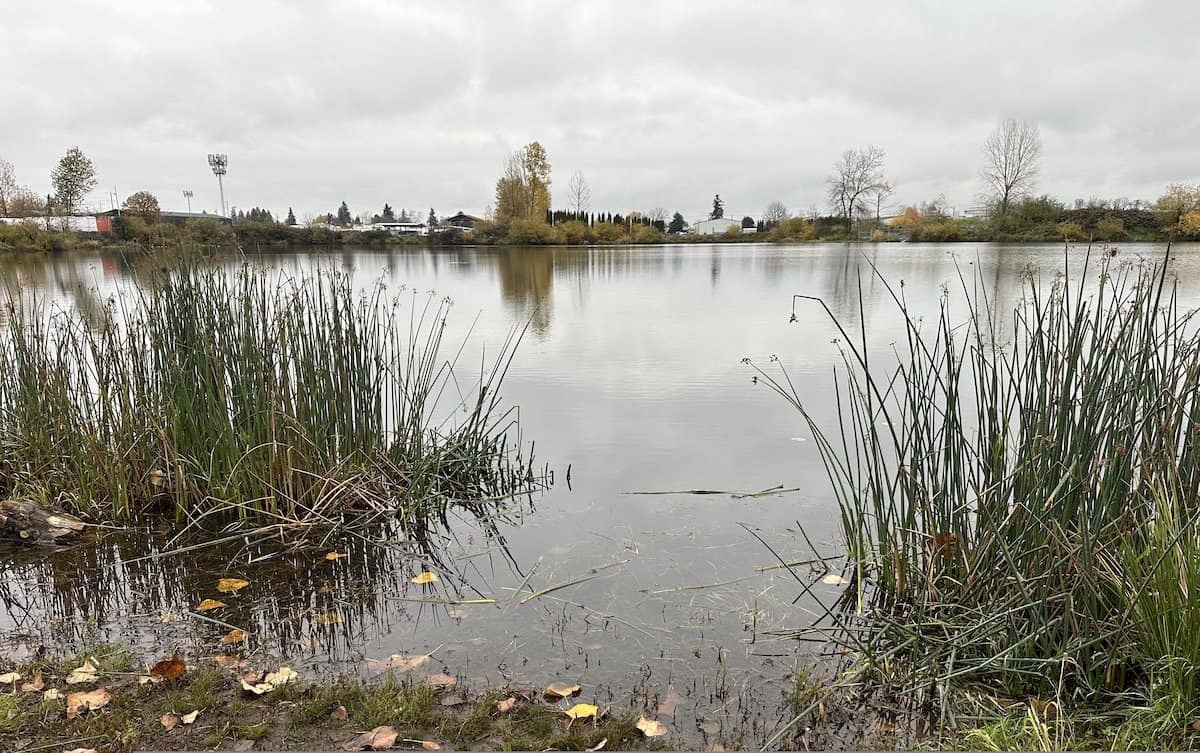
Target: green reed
[(249, 395), (1018, 489)]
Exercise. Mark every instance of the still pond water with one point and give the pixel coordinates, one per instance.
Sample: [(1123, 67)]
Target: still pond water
[(630, 379)]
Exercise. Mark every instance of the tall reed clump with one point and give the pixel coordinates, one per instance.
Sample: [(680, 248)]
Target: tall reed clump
[(218, 395), (1018, 490)]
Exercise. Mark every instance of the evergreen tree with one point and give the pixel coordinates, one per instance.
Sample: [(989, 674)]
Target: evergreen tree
[(388, 214), (432, 219), (677, 224), (718, 210), (343, 215), (291, 218)]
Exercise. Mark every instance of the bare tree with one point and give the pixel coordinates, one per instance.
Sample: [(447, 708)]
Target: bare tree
[(774, 213), (880, 194), (855, 175), (657, 214), (1012, 152), (579, 193), (8, 187)]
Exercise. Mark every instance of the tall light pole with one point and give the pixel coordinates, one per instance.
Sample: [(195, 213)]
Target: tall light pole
[(220, 164), (187, 194)]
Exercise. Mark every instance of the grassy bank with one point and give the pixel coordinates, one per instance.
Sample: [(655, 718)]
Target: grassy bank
[(139, 709), (1018, 496), (218, 395)]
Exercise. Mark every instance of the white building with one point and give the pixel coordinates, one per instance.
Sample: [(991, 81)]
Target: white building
[(715, 227), (399, 228)]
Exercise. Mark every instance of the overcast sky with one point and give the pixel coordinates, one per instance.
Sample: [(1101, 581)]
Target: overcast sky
[(659, 103)]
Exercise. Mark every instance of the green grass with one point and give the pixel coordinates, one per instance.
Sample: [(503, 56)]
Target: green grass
[(1018, 493), (214, 395)]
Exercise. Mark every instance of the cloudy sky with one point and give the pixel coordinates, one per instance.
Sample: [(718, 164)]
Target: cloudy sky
[(658, 103)]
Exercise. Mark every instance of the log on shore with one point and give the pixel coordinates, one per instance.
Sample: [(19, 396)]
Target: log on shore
[(27, 522)]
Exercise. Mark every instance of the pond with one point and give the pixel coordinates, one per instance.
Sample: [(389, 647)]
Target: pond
[(648, 570)]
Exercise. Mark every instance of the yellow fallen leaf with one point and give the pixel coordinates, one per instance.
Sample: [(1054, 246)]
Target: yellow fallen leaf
[(651, 727), (329, 618), (281, 677), (334, 556), (189, 718), (9, 677), (231, 585), (86, 673), (234, 636), (424, 578), (209, 604), (150, 679), (257, 688), (35, 684), (170, 617), (53, 694), (556, 690), (582, 711), (79, 703), (833, 579)]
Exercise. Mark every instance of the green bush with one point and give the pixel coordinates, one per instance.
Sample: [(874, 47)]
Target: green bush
[(533, 233)]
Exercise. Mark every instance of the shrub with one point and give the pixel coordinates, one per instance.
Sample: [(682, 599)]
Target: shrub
[(574, 232), (608, 232), (1110, 229), (646, 234), (532, 233), (1071, 231)]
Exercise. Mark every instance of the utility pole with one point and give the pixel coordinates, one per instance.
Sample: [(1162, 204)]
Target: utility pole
[(187, 194), (220, 165)]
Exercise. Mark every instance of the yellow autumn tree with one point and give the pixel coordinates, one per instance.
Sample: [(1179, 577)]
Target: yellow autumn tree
[(523, 191)]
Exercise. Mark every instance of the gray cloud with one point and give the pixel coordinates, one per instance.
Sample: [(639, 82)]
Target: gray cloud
[(659, 104)]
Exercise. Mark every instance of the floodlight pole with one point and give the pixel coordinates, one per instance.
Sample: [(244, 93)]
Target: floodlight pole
[(220, 165), (187, 194)]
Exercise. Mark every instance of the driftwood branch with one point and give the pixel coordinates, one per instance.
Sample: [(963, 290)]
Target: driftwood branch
[(28, 522)]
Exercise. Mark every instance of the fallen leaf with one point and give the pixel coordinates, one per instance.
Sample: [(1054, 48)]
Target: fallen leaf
[(582, 711), (86, 673), (557, 690), (235, 662), (281, 677), (329, 618), (670, 702), (257, 688), (209, 604), (79, 703), (53, 694), (9, 677), (35, 684), (170, 721), (170, 617), (598, 746), (234, 636), (149, 680), (507, 705), (169, 669), (231, 585), (334, 556), (651, 727), (191, 717), (430, 745), (441, 681), (833, 579), (340, 714), (402, 662), (380, 738), (424, 578)]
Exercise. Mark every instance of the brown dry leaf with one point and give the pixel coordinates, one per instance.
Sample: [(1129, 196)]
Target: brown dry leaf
[(507, 705), (598, 746), (441, 681), (402, 662), (170, 721), (231, 585), (332, 556), (380, 738), (253, 676), (582, 711), (148, 680), (79, 703), (169, 669), (233, 636), (281, 677), (425, 578), (209, 604), (86, 673), (35, 684), (339, 714), (430, 745), (651, 727), (53, 694), (557, 690), (329, 618), (833, 579), (236, 662), (10, 678)]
